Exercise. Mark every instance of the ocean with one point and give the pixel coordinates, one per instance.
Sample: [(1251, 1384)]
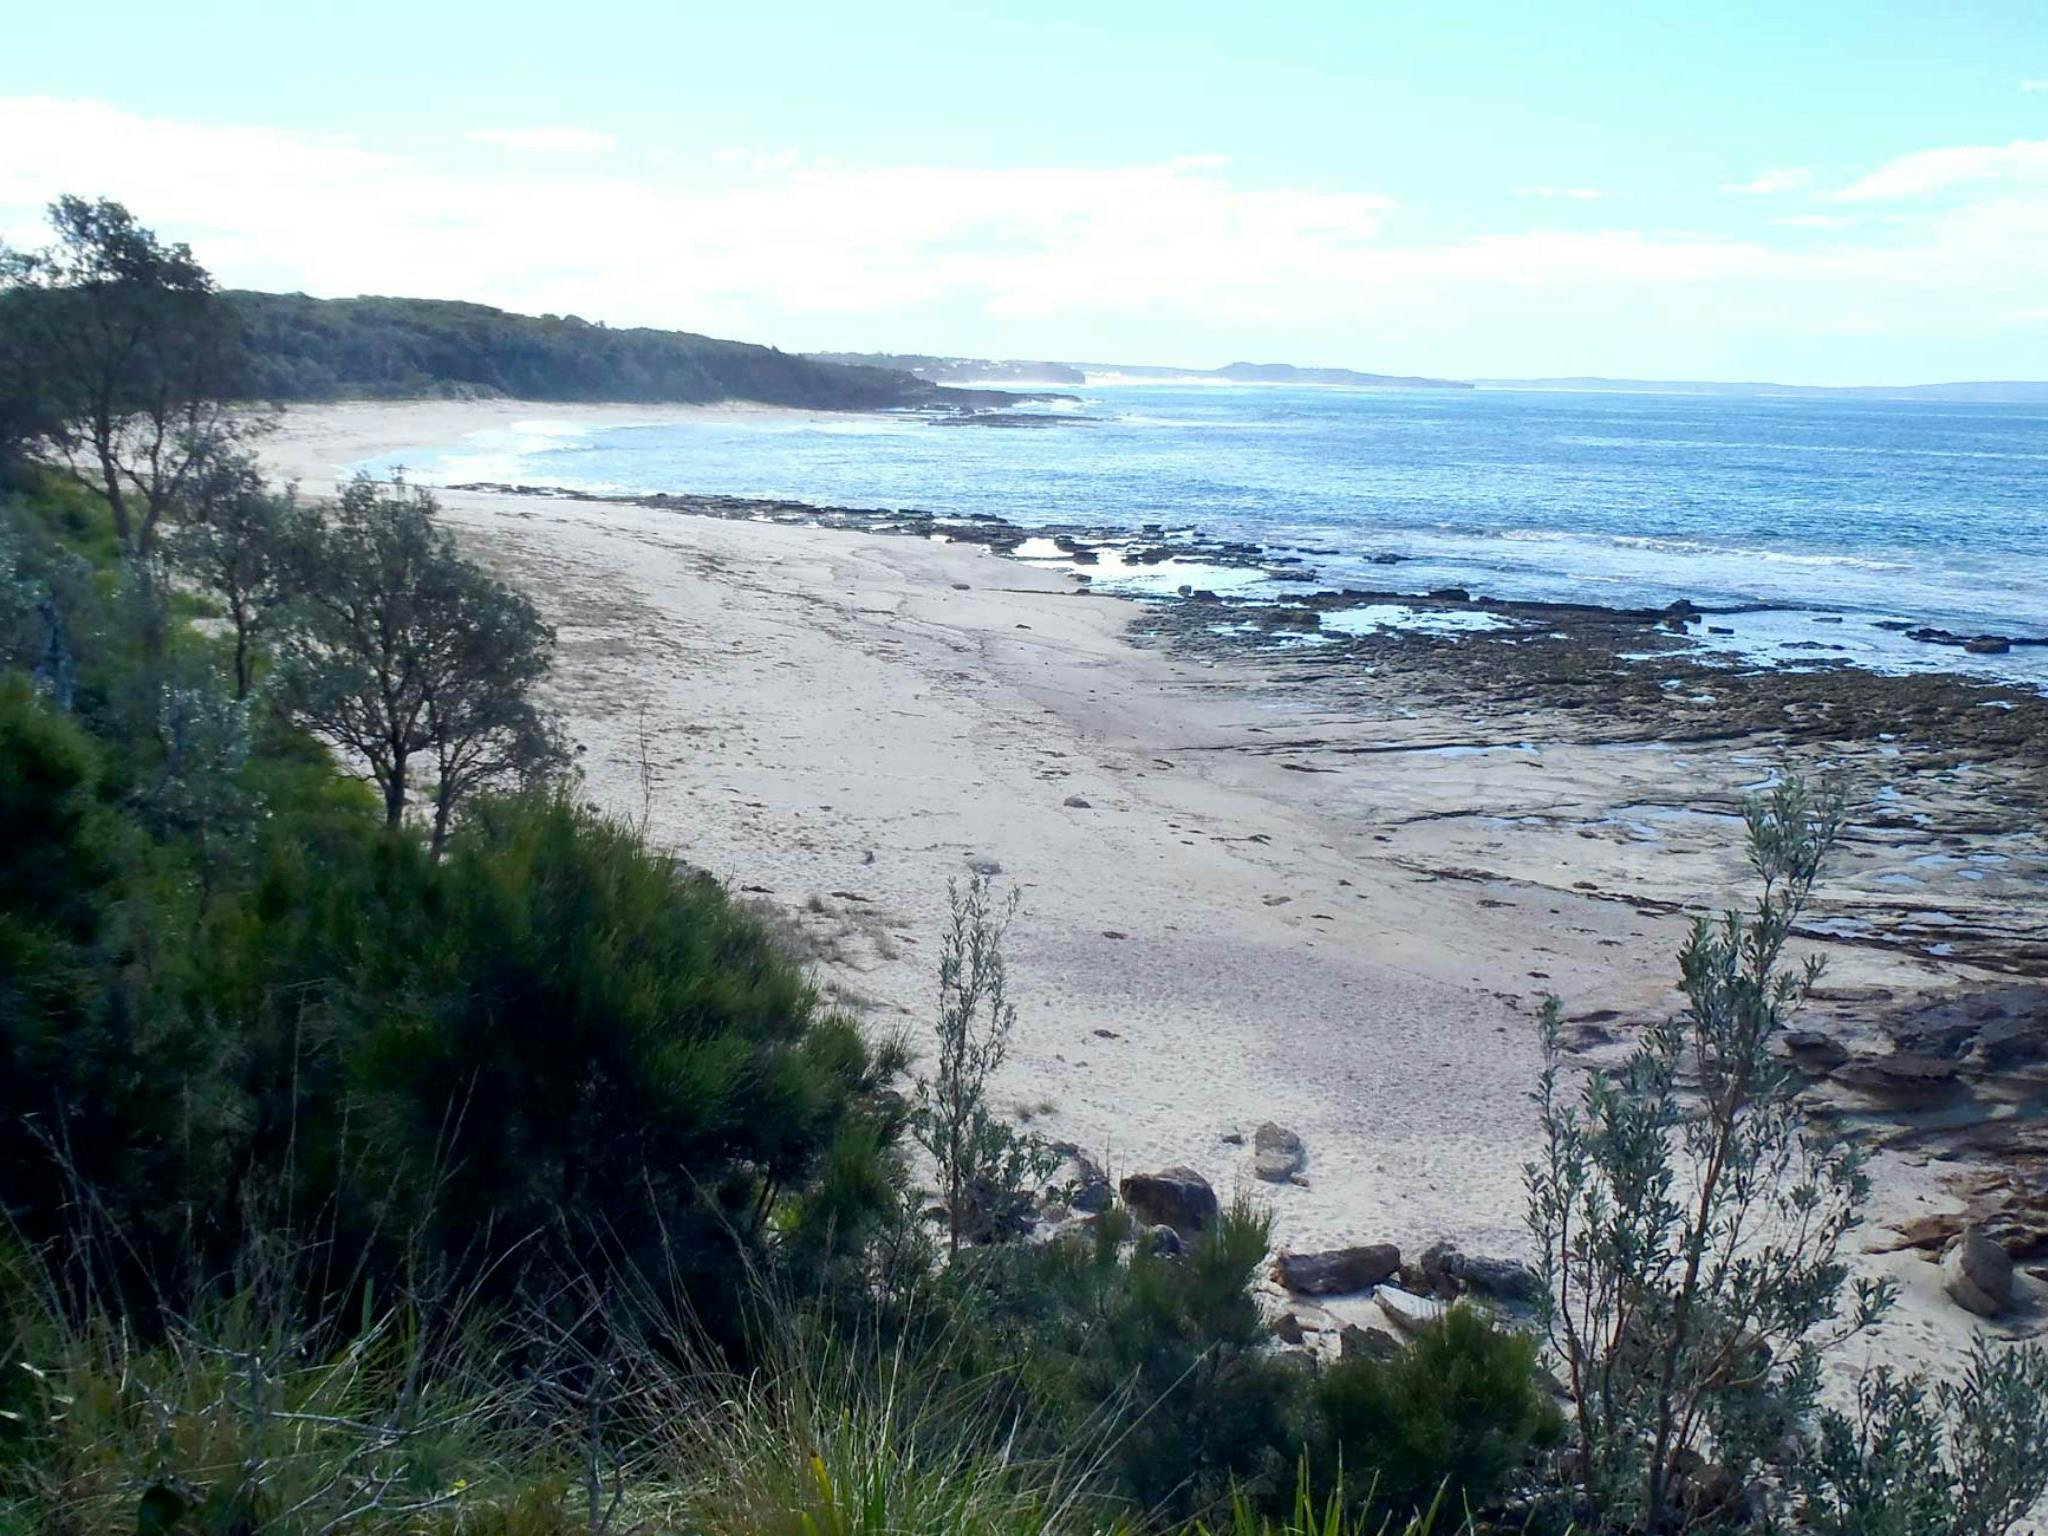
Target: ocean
[(1826, 519)]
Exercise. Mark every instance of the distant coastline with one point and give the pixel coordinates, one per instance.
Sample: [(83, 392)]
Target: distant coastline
[(1971, 392), (1011, 373), (306, 349), (1014, 372)]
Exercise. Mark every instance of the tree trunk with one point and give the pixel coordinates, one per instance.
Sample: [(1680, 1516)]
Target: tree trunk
[(444, 813), (394, 794), (110, 476)]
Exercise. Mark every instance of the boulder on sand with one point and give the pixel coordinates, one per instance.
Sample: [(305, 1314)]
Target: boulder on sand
[(1176, 1197), (1337, 1271), (1410, 1314), (1450, 1272), (1977, 1273), (1277, 1153)]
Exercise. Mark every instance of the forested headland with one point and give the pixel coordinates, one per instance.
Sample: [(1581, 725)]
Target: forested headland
[(302, 348), (390, 1141)]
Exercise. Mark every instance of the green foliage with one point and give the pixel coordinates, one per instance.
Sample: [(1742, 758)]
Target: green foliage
[(1968, 1458), (1332, 1515), (1158, 1358), (117, 355), (586, 1039), (1691, 1239), (241, 1415), (1444, 1425), (406, 652), (986, 1168), (56, 860), (314, 349), (233, 999), (248, 548), (853, 1439)]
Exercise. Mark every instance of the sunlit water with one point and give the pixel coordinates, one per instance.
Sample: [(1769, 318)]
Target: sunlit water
[(1860, 510)]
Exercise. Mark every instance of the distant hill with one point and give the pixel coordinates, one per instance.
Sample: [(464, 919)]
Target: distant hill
[(1346, 378), (959, 370), (2009, 392), (1008, 371), (304, 348), (1275, 373)]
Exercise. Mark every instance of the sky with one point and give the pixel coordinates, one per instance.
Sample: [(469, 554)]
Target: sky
[(1829, 192)]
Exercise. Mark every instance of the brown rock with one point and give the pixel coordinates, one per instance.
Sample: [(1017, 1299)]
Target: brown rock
[(1337, 1271), (1814, 1051), (1355, 1343), (1176, 1197), (1901, 1078), (1278, 1154), (1977, 1274)]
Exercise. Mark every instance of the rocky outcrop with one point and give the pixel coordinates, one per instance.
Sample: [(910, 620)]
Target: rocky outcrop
[(1337, 1271), (1176, 1197), (1901, 1079), (1813, 1051)]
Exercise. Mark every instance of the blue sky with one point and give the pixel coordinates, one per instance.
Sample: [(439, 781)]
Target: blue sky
[(1830, 192)]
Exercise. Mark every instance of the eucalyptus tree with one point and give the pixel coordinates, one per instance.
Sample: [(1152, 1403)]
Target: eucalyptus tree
[(118, 358), (483, 725), (405, 656), (245, 544)]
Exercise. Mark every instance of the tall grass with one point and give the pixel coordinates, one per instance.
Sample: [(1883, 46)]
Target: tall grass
[(852, 1441), (241, 1415), (1334, 1515)]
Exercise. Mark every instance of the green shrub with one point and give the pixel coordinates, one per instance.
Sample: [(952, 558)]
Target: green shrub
[(1967, 1457), (56, 866), (1692, 1223), (1156, 1361), (575, 1037), (1453, 1417)]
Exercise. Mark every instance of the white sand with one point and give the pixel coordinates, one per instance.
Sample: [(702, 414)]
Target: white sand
[(843, 721)]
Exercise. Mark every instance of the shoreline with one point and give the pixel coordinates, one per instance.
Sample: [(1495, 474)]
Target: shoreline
[(1257, 884), (1078, 548), (1782, 627)]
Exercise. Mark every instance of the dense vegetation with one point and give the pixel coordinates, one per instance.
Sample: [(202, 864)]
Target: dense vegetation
[(390, 1142), (317, 349)]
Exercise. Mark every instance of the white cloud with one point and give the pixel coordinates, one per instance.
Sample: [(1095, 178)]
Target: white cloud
[(1166, 259), (1932, 171), (272, 207), (2034, 85), (547, 141), (1791, 179), (1570, 194)]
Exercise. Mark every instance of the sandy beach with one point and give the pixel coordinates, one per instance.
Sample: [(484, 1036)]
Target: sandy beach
[(1239, 904)]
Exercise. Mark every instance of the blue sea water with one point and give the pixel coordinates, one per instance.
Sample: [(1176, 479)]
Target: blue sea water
[(1821, 509)]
